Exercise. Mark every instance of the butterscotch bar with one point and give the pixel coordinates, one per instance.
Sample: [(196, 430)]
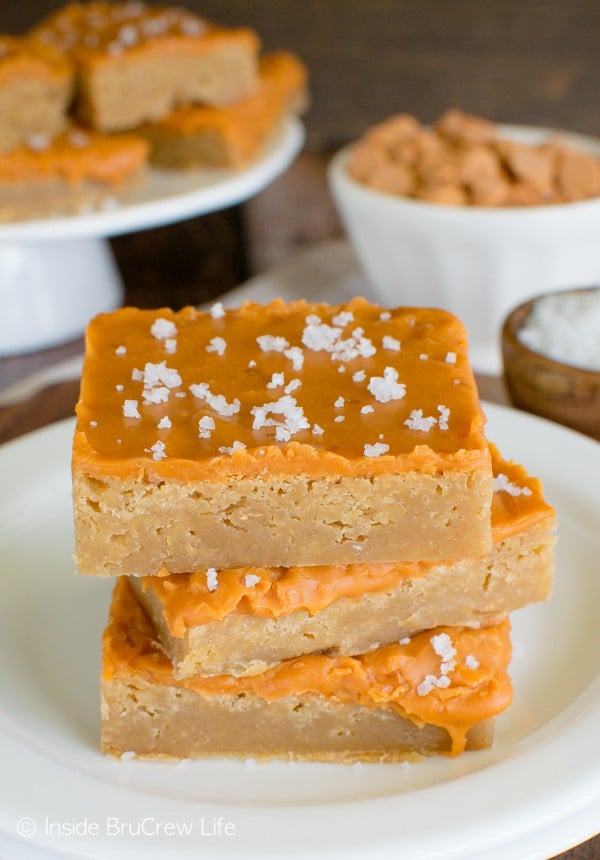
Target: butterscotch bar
[(242, 621), (277, 435), (136, 62), (36, 83), (204, 136), (73, 172), (437, 693)]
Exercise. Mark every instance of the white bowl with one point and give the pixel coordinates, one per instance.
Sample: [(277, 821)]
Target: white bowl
[(476, 262)]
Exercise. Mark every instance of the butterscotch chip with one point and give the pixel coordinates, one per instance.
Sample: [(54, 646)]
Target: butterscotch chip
[(460, 127), (250, 618), (533, 167), (200, 135), (463, 161), (136, 63), (393, 179), (36, 84), (398, 128), (437, 693), (448, 195), (233, 439), (577, 174)]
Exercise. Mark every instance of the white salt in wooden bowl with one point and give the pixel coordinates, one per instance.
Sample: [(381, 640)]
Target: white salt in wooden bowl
[(541, 367)]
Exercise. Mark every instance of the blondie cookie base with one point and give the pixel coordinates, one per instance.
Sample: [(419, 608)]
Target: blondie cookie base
[(202, 136), (468, 593), (36, 84), (136, 63), (159, 721), (141, 527), (434, 694), (277, 435)]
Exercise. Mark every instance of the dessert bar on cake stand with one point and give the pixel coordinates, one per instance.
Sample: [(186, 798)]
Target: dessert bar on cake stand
[(57, 273)]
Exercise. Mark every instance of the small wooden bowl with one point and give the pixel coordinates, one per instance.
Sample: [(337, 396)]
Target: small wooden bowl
[(564, 393)]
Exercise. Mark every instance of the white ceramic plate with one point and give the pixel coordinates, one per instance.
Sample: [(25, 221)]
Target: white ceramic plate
[(534, 794), (168, 196)]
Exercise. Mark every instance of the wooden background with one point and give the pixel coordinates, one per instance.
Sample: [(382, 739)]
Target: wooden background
[(519, 61)]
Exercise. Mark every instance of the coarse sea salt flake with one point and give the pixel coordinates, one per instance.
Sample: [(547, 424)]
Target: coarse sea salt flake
[(119, 387), (339, 418), (317, 430), (423, 356), (217, 344), (130, 409), (359, 376), (158, 450), (162, 328), (277, 380), (366, 410), (296, 356), (170, 345), (217, 402), (471, 661), (391, 343), (342, 319), (292, 385), (269, 343), (212, 579), (217, 311), (443, 419), (160, 373), (376, 450), (416, 421), (503, 484), (121, 350), (450, 358), (155, 395), (385, 388), (205, 426), (384, 316), (339, 403), (236, 446), (250, 580), (164, 423)]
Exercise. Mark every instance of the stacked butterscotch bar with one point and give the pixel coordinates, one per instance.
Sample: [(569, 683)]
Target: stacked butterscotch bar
[(315, 546)]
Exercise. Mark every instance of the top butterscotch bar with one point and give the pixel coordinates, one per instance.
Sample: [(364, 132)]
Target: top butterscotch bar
[(280, 434), (137, 62)]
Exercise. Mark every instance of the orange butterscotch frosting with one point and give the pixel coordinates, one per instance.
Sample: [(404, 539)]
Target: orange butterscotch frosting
[(304, 389), (449, 677), (98, 32), (22, 58), (189, 600), (75, 155), (283, 78)]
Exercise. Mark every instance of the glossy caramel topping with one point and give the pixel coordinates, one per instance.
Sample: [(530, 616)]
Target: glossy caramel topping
[(75, 155), (283, 388), (97, 31), (448, 677), (188, 602), (25, 58), (282, 77)]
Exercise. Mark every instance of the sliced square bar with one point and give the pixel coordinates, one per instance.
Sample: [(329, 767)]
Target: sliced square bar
[(36, 85), (437, 693), (205, 136), (136, 62), (277, 435), (242, 621), (76, 171)]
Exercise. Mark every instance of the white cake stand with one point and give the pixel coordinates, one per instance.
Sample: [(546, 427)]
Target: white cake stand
[(55, 274)]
